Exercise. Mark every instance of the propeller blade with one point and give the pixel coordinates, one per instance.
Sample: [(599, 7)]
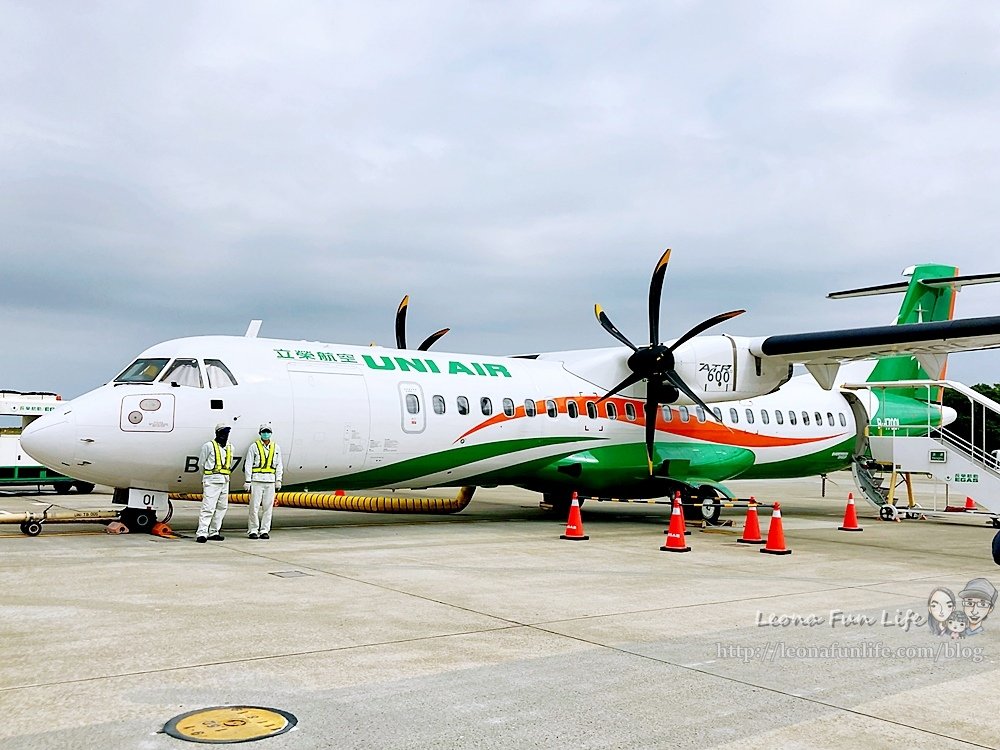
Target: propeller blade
[(632, 379), (430, 340), (704, 326), (608, 326), (653, 397), (401, 323), (655, 290), (674, 378)]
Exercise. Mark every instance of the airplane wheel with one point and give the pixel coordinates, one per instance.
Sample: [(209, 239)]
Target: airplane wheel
[(711, 510), (138, 520), (31, 528), (84, 488), (996, 522), (556, 506), (888, 512), (62, 488)]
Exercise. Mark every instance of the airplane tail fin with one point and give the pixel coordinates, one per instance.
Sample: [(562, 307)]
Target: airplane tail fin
[(928, 296)]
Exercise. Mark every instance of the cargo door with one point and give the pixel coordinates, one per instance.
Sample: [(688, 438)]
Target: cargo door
[(330, 424)]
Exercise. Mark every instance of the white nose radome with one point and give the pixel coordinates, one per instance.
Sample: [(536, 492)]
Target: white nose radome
[(51, 440), (948, 415)]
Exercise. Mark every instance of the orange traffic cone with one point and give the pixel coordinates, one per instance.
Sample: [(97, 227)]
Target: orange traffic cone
[(775, 535), (751, 527), (677, 499), (850, 515), (970, 504), (675, 535), (574, 526)]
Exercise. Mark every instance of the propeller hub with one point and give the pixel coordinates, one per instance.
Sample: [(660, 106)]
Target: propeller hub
[(650, 361)]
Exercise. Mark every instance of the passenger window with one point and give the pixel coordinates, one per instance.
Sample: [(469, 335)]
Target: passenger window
[(805, 418), (412, 404), (629, 411), (438, 403), (843, 420), (612, 411), (734, 416), (184, 372), (749, 416), (668, 413), (592, 410), (218, 374), (779, 417), (829, 419), (529, 407), (718, 414), (486, 405), (463, 405), (572, 409), (764, 417), (508, 407), (685, 414), (142, 371), (791, 417), (819, 419), (700, 414), (550, 408)]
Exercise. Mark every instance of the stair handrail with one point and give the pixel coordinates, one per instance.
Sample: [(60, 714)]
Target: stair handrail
[(973, 453), (974, 396)]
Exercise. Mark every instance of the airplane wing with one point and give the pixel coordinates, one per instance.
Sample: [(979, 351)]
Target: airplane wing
[(823, 352)]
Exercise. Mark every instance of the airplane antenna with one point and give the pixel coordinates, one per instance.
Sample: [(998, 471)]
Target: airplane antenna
[(253, 329)]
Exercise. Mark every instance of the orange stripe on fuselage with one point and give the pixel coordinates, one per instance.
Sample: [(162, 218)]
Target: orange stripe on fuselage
[(709, 431)]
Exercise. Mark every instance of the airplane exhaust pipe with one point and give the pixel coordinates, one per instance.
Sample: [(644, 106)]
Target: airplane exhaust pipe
[(356, 503)]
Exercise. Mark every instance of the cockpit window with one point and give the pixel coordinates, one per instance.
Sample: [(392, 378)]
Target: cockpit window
[(218, 374), (142, 371), (184, 372)]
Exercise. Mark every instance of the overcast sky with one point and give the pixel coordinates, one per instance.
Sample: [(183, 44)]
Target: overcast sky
[(174, 169)]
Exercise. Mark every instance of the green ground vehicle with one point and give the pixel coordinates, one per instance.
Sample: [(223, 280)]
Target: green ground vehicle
[(17, 468)]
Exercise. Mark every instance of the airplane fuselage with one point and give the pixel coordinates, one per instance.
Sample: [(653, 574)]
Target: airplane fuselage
[(352, 417)]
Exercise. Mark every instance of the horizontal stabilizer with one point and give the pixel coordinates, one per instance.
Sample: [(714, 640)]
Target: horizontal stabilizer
[(871, 291), (954, 282), (957, 282)]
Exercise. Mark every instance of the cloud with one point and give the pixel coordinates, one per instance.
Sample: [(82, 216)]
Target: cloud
[(179, 169)]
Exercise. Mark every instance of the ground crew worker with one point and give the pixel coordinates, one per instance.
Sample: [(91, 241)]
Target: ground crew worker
[(216, 460), (263, 471)]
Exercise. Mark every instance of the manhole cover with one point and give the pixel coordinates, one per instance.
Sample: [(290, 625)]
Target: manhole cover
[(228, 724)]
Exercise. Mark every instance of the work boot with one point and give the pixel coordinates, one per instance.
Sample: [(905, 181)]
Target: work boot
[(201, 539), (251, 535), (265, 536), (217, 538)]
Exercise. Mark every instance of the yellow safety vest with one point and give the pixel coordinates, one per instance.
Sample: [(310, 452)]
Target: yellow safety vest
[(266, 456), (219, 468)]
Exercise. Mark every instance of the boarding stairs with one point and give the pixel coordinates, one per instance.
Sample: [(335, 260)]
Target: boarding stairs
[(961, 463)]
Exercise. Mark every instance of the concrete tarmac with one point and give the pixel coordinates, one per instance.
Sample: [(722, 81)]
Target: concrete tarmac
[(485, 630)]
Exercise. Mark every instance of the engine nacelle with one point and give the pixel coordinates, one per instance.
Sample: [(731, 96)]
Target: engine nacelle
[(721, 368)]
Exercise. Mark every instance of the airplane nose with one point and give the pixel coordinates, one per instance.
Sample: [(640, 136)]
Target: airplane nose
[(948, 415), (51, 440)]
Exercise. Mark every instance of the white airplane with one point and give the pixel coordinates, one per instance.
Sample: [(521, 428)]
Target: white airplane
[(351, 417)]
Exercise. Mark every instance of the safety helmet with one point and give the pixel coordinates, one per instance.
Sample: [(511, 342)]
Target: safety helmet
[(222, 426)]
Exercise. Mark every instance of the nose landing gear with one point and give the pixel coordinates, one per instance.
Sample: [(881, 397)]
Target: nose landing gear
[(138, 520)]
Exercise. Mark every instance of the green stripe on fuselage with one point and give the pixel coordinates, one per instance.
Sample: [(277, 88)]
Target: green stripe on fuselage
[(835, 458), (415, 469)]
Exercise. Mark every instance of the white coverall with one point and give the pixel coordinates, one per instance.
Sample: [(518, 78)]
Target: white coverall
[(215, 488), (262, 486)]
